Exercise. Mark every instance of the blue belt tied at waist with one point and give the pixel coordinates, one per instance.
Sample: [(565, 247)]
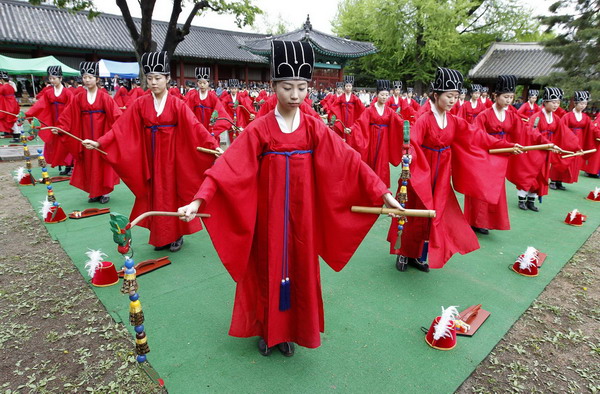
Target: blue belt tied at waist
[(154, 129), (437, 164), (284, 289), (376, 156), (202, 112), (96, 111), (498, 133)]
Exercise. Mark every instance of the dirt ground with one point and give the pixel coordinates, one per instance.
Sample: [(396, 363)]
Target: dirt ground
[(55, 336)]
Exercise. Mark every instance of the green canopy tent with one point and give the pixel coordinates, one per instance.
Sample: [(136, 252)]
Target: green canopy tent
[(37, 66)]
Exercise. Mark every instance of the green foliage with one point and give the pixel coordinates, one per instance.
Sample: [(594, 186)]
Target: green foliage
[(243, 10), (416, 36), (577, 40)]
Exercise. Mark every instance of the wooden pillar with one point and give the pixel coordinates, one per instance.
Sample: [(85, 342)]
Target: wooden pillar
[(181, 74), (216, 75), (246, 75), (340, 74)]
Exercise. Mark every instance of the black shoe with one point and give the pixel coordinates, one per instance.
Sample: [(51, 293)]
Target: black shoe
[(401, 263), (104, 199), (421, 266), (530, 204), (480, 230), (175, 246), (560, 186), (67, 171), (552, 185), (286, 348), (95, 199), (167, 246), (590, 175), (263, 349), (522, 204)]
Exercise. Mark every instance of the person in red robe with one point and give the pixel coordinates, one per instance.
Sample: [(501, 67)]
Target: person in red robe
[(460, 102), (89, 116), (8, 103), (203, 102), (239, 108), (286, 166), (271, 102), (530, 172), (446, 152), (395, 101), (485, 99), (378, 135), (503, 124), (327, 102), (347, 108), (473, 107), (174, 90), (530, 107), (121, 96), (153, 149), (592, 163), (579, 124), (48, 109), (136, 91)]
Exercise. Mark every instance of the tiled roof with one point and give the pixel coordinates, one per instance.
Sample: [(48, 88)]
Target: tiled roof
[(324, 44), (526, 60), (49, 26)]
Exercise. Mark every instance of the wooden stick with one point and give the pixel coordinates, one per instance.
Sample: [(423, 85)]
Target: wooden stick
[(70, 135), (206, 150), (161, 213), (420, 213), (581, 153), (525, 148), (598, 139), (9, 113)]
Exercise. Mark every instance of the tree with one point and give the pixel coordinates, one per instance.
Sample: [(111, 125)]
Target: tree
[(577, 41), (243, 11), (416, 36)]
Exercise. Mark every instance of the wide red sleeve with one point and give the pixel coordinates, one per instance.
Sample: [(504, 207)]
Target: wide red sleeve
[(358, 139), (192, 99), (396, 138), (41, 110)]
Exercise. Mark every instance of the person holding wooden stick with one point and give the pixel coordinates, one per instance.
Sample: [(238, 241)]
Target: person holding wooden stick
[(446, 152), (90, 115), (153, 148), (298, 181)]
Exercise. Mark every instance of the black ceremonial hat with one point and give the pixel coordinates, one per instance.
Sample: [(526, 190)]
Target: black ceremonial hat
[(533, 92), (136, 81), (383, 84), (447, 80), (349, 79), (156, 62), (484, 89), (233, 83), (463, 91), (475, 87), (552, 94), (291, 60), (339, 85), (203, 73), (89, 68), (3, 75), (410, 90), (54, 71), (581, 95), (506, 84), (397, 85)]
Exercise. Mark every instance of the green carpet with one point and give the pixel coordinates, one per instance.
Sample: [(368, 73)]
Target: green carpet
[(373, 313)]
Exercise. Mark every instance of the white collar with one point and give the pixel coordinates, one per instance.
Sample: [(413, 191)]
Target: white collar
[(500, 113), (283, 125), (58, 90), (578, 115), (548, 115), (441, 119), (233, 97), (91, 97), (348, 96), (203, 96), (159, 106), (396, 99), (379, 109), (531, 105), (474, 103)]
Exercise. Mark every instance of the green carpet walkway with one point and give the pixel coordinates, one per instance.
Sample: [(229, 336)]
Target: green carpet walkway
[(373, 313)]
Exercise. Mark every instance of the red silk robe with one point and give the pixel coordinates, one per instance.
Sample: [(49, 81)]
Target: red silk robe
[(91, 173), (469, 113), (48, 109), (135, 93), (592, 164), (247, 232), (478, 212), (454, 156), (157, 159), (122, 97), (456, 107), (175, 92), (379, 140), (8, 103), (487, 103), (240, 114), (425, 108), (583, 131), (203, 110), (346, 111), (526, 111)]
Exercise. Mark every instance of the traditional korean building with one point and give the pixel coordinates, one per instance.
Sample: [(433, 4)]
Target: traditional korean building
[(28, 31)]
